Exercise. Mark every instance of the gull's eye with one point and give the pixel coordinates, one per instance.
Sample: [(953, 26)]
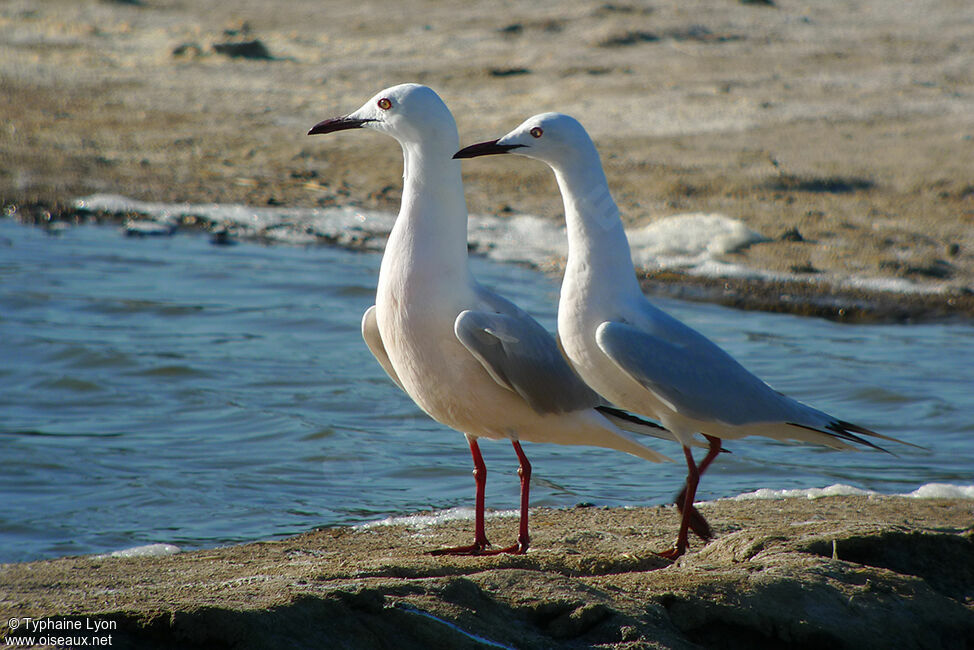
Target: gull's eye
[(536, 132), (385, 103)]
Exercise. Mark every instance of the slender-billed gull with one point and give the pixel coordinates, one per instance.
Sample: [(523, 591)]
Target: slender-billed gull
[(468, 357), (634, 354)]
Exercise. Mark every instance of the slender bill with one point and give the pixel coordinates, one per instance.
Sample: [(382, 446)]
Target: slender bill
[(337, 124), (485, 149)]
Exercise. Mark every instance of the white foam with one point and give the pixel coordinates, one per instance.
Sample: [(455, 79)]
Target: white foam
[(290, 235), (893, 285), (436, 518), (284, 225), (942, 491), (148, 550), (523, 238), (808, 493), (690, 243), (928, 491), (148, 228), (687, 240)]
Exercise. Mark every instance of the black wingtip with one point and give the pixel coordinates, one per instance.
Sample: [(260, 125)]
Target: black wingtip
[(629, 417), (847, 431), (849, 426)]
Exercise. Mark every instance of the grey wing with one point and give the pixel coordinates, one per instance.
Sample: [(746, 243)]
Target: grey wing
[(520, 355), (694, 377), (370, 332)]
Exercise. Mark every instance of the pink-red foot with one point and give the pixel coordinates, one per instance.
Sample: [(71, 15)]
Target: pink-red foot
[(514, 549), (470, 549), (672, 553), (482, 549)]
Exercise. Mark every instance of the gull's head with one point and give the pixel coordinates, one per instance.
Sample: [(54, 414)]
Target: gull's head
[(410, 113), (553, 138)]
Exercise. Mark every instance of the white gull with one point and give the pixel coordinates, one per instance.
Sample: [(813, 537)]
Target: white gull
[(632, 353), (468, 357)]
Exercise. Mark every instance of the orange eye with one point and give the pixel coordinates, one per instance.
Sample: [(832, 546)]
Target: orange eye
[(384, 103), (536, 132)]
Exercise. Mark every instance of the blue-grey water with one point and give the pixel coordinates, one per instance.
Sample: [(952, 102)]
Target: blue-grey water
[(168, 390)]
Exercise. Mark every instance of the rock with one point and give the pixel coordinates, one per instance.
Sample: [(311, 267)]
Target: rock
[(792, 234), (508, 72), (938, 269), (820, 184), (631, 37), (803, 268), (903, 578), (222, 236), (252, 49), (191, 50)]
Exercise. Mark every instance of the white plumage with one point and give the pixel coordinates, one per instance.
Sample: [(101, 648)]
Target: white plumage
[(635, 355), (468, 357)]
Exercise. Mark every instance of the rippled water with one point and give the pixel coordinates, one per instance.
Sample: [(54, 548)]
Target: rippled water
[(169, 390)]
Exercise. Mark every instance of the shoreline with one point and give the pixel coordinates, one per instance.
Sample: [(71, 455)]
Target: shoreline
[(418, 521), (819, 298), (832, 570)]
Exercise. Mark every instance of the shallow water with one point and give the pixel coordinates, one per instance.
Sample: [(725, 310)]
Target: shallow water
[(168, 390)]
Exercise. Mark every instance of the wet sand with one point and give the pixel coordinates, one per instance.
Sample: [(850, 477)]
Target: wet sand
[(836, 572), (844, 133)]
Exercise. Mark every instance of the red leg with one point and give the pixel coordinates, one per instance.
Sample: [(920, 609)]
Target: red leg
[(712, 453), (524, 471), (693, 478), (698, 524), (480, 542)]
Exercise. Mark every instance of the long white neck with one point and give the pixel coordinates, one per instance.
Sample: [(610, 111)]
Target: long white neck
[(598, 250), (429, 239)]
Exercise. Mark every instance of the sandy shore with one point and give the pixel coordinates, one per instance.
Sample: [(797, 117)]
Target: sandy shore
[(837, 572), (844, 132)]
